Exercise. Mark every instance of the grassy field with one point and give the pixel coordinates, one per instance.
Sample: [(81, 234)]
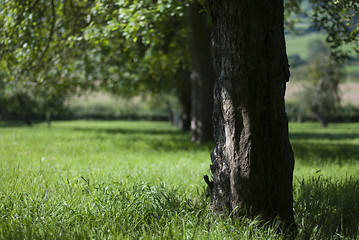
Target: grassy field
[(143, 180), (299, 44)]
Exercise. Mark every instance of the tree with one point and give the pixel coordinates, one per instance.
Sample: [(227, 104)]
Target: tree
[(146, 50), (42, 58), (126, 47), (252, 160), (163, 63), (202, 75), (324, 75), (338, 18), (340, 21)]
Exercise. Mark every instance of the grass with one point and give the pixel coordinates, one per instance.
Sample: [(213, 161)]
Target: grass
[(326, 180), (143, 180), (299, 44)]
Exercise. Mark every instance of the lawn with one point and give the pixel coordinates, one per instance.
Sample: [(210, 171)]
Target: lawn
[(143, 180)]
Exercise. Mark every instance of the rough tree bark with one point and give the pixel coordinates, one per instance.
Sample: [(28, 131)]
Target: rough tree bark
[(202, 76), (252, 160)]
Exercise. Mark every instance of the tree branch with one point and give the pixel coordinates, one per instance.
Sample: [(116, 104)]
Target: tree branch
[(53, 22), (33, 6)]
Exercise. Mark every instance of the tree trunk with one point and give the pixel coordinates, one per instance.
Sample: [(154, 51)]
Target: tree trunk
[(202, 76), (323, 121), (48, 118), (315, 105), (185, 103), (25, 108), (27, 119), (252, 160)]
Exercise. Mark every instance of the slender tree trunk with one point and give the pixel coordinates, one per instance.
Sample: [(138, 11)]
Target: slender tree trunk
[(252, 160), (323, 121), (48, 118), (185, 103), (183, 86), (315, 105), (202, 76), (27, 119), (25, 110)]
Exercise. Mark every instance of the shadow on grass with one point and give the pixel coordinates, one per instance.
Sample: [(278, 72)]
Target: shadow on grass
[(323, 136), (327, 208), (160, 139), (130, 131), (5, 124), (325, 147), (326, 152)]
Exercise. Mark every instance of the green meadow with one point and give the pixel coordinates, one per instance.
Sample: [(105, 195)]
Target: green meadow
[(144, 180), (300, 44)]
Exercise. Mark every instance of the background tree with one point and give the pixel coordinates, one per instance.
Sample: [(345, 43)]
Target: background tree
[(324, 75), (202, 74), (125, 47), (145, 50), (339, 19), (40, 59), (172, 53)]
